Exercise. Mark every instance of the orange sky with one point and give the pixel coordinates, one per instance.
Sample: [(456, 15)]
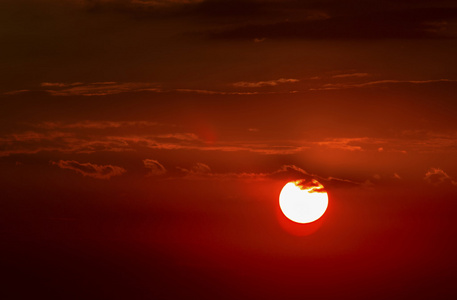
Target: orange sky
[(143, 146)]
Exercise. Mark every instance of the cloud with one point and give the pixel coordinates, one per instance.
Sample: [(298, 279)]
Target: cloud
[(16, 92), (111, 88), (289, 172), (257, 40), (350, 75), (293, 173), (203, 171), (155, 168), (337, 86), (123, 136), (198, 171), (88, 124), (162, 3), (103, 88), (145, 9), (284, 173), (211, 92), (312, 186), (60, 84), (257, 84), (179, 136), (201, 168), (351, 144), (437, 176), (90, 89), (68, 142), (91, 170), (371, 20)]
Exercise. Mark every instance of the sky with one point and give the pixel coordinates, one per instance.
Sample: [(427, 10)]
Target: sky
[(144, 144)]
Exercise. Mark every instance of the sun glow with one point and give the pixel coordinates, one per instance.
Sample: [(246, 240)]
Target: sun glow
[(303, 203)]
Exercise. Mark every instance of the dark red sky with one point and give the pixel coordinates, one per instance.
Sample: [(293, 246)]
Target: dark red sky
[(143, 146)]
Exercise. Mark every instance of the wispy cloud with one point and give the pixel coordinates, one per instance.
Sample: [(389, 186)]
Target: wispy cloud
[(197, 171), (162, 3), (16, 92), (211, 92), (285, 173), (112, 88), (408, 141), (256, 84), (350, 75), (123, 136), (88, 124), (90, 89), (246, 93), (337, 86), (60, 84), (91, 170), (103, 88), (343, 143)]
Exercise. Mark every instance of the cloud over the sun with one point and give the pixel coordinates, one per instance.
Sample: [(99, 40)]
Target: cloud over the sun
[(90, 169)]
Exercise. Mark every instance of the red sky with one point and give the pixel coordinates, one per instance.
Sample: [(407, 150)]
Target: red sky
[(143, 146)]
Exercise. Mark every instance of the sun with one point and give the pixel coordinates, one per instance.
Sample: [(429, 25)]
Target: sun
[(303, 202)]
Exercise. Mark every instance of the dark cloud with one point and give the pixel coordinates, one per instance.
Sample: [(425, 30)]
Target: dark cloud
[(312, 186), (403, 24), (143, 9), (274, 19)]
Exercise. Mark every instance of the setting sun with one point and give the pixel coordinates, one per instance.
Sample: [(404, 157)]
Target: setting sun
[(303, 203), (228, 149)]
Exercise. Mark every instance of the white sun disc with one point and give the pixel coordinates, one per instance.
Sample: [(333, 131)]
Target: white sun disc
[(302, 205)]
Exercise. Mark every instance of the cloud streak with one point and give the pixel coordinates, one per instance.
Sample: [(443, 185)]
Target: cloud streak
[(91, 170), (257, 84), (87, 124), (102, 89), (201, 171), (350, 75), (90, 89), (125, 136), (338, 86)]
